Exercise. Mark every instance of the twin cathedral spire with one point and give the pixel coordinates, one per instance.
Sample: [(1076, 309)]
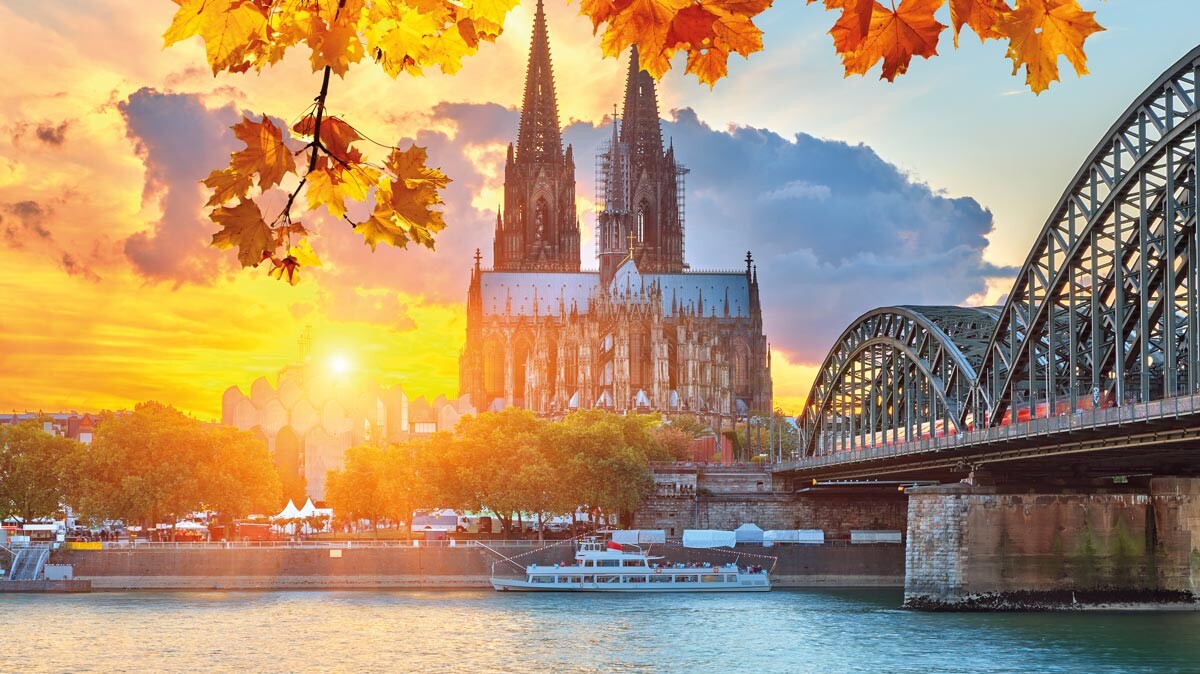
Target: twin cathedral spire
[(641, 210)]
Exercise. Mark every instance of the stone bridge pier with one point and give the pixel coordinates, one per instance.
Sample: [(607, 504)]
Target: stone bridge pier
[(995, 547)]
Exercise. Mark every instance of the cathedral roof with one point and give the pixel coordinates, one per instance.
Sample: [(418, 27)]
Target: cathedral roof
[(706, 293)]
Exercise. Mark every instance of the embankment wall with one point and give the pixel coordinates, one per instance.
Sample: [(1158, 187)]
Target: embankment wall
[(428, 567)]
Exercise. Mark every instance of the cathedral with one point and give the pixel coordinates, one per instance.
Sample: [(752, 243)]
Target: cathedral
[(643, 332)]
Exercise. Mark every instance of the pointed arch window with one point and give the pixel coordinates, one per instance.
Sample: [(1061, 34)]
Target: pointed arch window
[(641, 222)]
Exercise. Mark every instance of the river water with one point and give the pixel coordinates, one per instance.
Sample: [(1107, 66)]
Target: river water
[(835, 631)]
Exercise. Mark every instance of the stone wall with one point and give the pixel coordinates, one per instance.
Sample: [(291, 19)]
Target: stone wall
[(397, 567), (967, 544), (835, 514)]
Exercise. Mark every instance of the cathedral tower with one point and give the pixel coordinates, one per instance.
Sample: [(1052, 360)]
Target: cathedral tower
[(539, 228), (642, 186)]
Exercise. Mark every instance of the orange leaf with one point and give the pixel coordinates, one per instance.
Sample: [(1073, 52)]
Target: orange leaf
[(1039, 31), (895, 37), (854, 23), (243, 226), (336, 136), (265, 152), (980, 15)]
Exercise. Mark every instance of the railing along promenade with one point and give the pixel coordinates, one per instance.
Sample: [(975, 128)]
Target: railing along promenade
[(127, 546), (1096, 420)]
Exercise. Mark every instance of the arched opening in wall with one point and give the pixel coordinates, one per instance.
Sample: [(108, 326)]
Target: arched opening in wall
[(673, 377), (646, 226), (549, 380), (741, 368), (606, 385), (641, 359), (570, 368), (541, 219), (522, 355), (493, 369)]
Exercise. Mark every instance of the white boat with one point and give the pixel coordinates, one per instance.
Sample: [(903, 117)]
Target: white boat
[(615, 568)]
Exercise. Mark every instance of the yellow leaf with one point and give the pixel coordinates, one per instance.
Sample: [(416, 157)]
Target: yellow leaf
[(191, 17), (265, 152), (1039, 31), (228, 32), (304, 254), (226, 185), (337, 47), (243, 226)]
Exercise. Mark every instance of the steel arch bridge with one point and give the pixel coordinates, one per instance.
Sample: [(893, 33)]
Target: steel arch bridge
[(1102, 314)]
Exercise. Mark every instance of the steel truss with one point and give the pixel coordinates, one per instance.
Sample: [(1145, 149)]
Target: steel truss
[(1102, 313)]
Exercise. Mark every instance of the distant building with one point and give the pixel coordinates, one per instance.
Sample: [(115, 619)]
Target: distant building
[(72, 424), (310, 418), (643, 332)]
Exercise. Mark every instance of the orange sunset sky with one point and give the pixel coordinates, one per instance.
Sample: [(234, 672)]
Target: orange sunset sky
[(110, 294)]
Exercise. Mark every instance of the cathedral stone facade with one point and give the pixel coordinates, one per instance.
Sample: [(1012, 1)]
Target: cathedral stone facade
[(643, 332)]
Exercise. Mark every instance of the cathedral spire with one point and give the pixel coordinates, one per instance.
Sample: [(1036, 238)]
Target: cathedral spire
[(641, 130), (539, 139)]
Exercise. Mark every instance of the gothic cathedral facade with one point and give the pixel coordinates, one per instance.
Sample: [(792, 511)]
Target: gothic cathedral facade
[(642, 333)]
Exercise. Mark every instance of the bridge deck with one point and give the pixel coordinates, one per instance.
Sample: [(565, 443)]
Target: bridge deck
[(1140, 436)]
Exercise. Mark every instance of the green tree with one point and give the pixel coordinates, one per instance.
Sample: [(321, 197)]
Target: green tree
[(37, 470), (155, 461), (237, 475), (607, 459), (354, 492)]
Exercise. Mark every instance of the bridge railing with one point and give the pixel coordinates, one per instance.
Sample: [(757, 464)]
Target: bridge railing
[(1080, 420)]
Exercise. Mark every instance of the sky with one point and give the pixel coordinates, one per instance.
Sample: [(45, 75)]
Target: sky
[(853, 193)]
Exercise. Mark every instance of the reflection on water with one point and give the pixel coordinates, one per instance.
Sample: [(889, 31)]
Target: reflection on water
[(481, 631)]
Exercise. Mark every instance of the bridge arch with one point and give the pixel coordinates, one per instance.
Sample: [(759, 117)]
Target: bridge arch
[(886, 379), (1104, 309)]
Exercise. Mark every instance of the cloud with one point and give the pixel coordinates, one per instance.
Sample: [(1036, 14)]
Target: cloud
[(180, 140), (836, 230), (26, 227), (74, 268), (27, 217), (798, 189), (46, 132)]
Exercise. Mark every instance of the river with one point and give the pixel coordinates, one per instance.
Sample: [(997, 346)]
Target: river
[(474, 632)]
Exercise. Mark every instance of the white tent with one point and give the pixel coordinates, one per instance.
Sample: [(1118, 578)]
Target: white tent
[(708, 538), (289, 512), (639, 536), (190, 526), (309, 509), (807, 536), (748, 534)]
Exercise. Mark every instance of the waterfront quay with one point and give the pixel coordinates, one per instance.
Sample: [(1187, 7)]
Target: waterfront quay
[(466, 564)]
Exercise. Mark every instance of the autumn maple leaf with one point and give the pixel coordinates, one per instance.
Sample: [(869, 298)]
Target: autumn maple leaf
[(1039, 31), (895, 36), (242, 225), (980, 15)]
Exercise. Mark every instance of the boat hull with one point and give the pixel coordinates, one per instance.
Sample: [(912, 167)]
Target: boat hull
[(516, 585)]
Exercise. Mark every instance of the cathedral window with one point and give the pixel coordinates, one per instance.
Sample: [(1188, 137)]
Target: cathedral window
[(641, 223)]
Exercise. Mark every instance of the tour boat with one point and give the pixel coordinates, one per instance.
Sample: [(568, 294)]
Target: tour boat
[(612, 567)]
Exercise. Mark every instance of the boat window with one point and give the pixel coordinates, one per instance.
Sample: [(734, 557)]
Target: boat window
[(707, 578), (685, 579), (633, 562), (636, 579), (606, 579), (606, 562), (589, 579), (660, 579)]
